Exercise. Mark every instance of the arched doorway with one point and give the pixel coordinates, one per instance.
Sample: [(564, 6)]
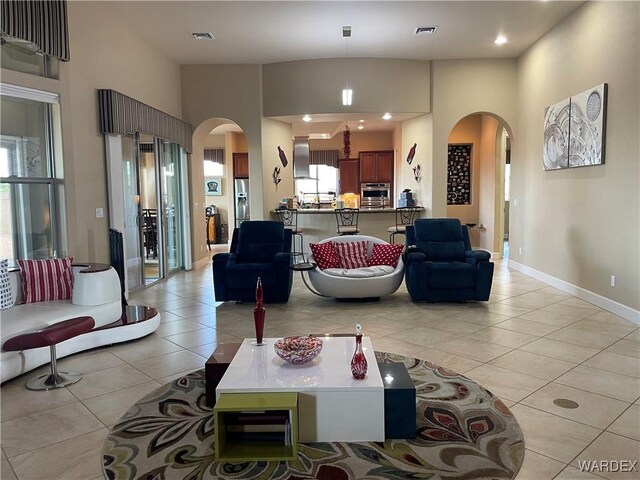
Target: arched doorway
[(220, 153), (478, 152)]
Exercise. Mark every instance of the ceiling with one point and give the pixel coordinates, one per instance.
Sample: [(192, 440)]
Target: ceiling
[(267, 32)]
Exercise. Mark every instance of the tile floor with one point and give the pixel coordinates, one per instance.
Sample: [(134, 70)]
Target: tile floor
[(530, 344)]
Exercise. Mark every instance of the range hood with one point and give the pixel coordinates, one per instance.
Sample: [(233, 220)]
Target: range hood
[(301, 157)]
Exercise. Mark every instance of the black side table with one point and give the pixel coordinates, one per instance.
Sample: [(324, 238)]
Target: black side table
[(305, 267)]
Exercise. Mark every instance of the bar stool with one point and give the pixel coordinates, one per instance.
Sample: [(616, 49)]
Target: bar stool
[(289, 217), (49, 337), (347, 220), (404, 217)]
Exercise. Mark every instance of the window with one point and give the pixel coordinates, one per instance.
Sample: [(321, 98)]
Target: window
[(321, 187), (22, 56), (30, 184), (213, 169)]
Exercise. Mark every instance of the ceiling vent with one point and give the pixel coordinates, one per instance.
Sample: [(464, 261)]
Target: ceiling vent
[(346, 31), (426, 30), (202, 35)]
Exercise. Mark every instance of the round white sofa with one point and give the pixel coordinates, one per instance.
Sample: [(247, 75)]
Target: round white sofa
[(350, 287)]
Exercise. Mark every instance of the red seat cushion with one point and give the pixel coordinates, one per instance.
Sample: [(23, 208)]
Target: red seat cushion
[(44, 280), (385, 254), (324, 255), (352, 254), (51, 335)]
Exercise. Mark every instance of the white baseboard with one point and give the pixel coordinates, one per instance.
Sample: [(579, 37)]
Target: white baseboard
[(586, 295)]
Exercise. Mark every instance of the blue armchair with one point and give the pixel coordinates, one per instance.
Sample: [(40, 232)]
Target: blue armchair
[(258, 249), (440, 265)]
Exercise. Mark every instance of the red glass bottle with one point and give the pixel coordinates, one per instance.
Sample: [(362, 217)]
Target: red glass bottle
[(259, 313), (359, 361)]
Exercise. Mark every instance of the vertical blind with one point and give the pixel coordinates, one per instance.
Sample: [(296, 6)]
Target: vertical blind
[(215, 155), (42, 23), (324, 157)]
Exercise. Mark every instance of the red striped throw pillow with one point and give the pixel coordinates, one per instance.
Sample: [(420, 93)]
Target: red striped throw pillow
[(44, 280), (324, 255), (352, 254), (385, 254)]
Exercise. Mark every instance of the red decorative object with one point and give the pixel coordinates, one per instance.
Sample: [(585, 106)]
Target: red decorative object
[(259, 314), (385, 254), (412, 153), (346, 143), (359, 362), (324, 255)]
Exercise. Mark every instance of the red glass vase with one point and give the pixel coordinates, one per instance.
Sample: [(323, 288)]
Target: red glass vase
[(259, 314), (359, 362)]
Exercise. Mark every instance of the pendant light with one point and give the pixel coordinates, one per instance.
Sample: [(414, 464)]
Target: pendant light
[(347, 93)]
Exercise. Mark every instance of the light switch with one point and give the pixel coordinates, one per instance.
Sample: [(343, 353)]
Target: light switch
[(99, 212)]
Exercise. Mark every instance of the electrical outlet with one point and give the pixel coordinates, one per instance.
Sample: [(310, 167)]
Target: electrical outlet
[(201, 248), (515, 202), (519, 250), (99, 212), (613, 280)]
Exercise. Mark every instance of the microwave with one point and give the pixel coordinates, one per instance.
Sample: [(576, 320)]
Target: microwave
[(375, 195)]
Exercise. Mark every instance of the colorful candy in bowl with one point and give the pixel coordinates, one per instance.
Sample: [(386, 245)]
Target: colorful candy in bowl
[(298, 350)]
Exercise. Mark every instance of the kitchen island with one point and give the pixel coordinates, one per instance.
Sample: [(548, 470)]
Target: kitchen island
[(320, 223)]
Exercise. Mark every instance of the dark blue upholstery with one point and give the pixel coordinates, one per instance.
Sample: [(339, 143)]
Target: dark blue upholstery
[(440, 265), (258, 249)]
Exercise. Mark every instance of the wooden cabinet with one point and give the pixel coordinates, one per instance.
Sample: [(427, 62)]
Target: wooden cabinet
[(240, 165), (349, 176), (376, 166)]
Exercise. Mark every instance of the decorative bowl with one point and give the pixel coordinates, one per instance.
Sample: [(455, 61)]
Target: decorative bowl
[(298, 350)]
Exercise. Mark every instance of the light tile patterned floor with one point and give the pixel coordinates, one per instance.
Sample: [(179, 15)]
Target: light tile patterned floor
[(530, 344)]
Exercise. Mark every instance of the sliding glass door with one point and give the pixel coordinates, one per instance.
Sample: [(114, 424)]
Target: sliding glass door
[(172, 215)]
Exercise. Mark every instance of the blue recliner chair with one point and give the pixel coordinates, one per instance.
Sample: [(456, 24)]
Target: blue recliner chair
[(440, 265), (258, 249)]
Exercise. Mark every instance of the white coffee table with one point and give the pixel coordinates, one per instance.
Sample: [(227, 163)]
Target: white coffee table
[(332, 405)]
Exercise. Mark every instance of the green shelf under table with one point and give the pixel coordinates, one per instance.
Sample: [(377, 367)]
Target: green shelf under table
[(257, 409)]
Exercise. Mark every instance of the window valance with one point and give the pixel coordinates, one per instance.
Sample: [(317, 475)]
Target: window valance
[(324, 157), (125, 115), (41, 23)]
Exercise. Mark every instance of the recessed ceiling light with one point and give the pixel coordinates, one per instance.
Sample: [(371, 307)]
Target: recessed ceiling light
[(360, 127), (361, 121), (387, 116), (426, 30), (202, 35), (306, 118), (500, 40)]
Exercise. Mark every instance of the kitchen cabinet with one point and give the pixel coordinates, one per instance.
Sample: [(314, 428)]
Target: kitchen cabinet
[(349, 176), (240, 165), (376, 166)]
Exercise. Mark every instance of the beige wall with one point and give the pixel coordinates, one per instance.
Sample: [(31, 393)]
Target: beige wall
[(417, 130), (231, 92), (581, 225), (276, 134), (104, 54), (461, 88), (314, 86), (487, 198), (360, 142)]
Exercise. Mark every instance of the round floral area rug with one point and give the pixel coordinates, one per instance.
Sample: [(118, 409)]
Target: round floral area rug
[(463, 432)]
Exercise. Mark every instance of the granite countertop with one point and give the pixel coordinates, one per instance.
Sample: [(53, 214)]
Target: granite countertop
[(315, 211)]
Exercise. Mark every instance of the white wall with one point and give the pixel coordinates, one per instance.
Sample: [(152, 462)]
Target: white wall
[(417, 130), (581, 225)]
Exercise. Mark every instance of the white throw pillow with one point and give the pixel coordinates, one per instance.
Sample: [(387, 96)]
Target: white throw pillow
[(6, 299)]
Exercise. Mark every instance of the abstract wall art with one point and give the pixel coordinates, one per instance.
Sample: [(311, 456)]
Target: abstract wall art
[(459, 174), (555, 153), (587, 127), (574, 130)]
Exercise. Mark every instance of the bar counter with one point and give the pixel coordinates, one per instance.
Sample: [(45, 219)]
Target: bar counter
[(320, 223)]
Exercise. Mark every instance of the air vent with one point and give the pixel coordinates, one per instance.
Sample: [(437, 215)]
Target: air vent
[(346, 31), (426, 30), (202, 35)]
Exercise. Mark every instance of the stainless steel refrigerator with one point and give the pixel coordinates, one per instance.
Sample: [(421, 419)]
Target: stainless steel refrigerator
[(241, 199)]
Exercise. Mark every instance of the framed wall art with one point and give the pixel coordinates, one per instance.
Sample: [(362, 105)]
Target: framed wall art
[(459, 174), (574, 130), (213, 186)]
